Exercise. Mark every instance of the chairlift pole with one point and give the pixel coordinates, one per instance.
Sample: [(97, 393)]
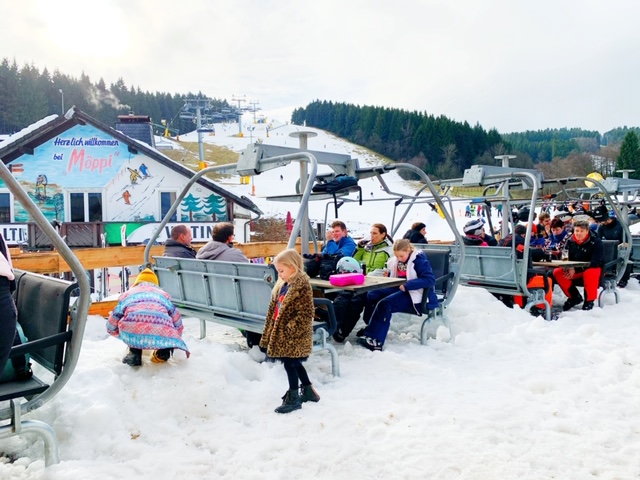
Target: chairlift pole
[(198, 104), (62, 95), (304, 174), (505, 224), (199, 130)]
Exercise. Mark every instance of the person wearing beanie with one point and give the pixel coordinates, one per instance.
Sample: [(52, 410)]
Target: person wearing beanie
[(473, 230), (147, 276), (146, 319), (417, 233)]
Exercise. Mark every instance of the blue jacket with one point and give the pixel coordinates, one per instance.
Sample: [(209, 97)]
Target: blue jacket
[(556, 242), (419, 276), (347, 247)]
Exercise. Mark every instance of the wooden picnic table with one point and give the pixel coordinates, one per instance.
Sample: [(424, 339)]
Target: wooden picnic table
[(370, 283), (561, 263)]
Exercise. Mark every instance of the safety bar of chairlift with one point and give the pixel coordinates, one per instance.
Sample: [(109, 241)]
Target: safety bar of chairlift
[(452, 224), (506, 177), (304, 202), (614, 205), (413, 199), (80, 309), (618, 212), (428, 184)]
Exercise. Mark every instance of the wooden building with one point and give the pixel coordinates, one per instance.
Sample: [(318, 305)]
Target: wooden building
[(85, 175)]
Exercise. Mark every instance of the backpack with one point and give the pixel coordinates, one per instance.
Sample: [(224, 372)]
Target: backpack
[(328, 265), (311, 262), (338, 183)]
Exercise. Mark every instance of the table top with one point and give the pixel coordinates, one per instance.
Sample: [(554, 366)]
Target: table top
[(370, 283), (561, 263)]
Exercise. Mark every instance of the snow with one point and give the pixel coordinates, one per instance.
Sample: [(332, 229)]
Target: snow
[(508, 396)]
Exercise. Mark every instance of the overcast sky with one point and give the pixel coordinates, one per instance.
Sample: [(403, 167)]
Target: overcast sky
[(512, 65)]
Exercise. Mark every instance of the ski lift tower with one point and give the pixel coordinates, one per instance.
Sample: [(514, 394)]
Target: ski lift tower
[(239, 100), (254, 108), (197, 104)]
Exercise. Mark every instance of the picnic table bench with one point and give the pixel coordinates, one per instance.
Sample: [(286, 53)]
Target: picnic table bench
[(233, 294)]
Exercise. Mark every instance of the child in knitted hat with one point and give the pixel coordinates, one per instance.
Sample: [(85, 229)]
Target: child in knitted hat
[(473, 233), (145, 318), (148, 276)]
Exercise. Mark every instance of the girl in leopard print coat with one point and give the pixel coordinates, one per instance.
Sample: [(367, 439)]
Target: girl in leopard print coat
[(288, 329)]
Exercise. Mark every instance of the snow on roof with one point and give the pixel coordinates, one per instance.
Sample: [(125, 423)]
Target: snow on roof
[(18, 136)]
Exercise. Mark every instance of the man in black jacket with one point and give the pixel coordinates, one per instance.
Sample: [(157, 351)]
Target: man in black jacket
[(584, 246), (179, 245)]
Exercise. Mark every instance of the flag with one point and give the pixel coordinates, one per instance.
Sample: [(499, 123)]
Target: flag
[(436, 208), (16, 169)]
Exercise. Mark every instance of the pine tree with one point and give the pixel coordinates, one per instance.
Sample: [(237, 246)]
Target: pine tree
[(215, 206), (629, 158), (191, 204)]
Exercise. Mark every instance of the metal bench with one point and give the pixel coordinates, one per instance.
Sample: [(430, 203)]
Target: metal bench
[(43, 312), (232, 294), (496, 269)]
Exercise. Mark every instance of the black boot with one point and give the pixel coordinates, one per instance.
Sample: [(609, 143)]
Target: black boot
[(161, 355), (290, 402), (308, 394), (574, 299), (572, 302), (133, 358), (24, 372), (587, 305)]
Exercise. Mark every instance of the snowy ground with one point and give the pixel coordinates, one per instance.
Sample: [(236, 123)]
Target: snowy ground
[(508, 397)]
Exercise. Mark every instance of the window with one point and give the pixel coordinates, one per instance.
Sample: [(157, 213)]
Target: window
[(5, 208), (166, 200), (95, 207), (85, 206)]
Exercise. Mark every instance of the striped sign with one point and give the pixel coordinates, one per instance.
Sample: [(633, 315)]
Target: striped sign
[(16, 169)]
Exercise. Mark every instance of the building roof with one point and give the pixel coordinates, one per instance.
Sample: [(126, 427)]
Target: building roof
[(26, 140)]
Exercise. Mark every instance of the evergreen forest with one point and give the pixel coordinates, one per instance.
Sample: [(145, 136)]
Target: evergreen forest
[(444, 148), (28, 95), (441, 147)]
